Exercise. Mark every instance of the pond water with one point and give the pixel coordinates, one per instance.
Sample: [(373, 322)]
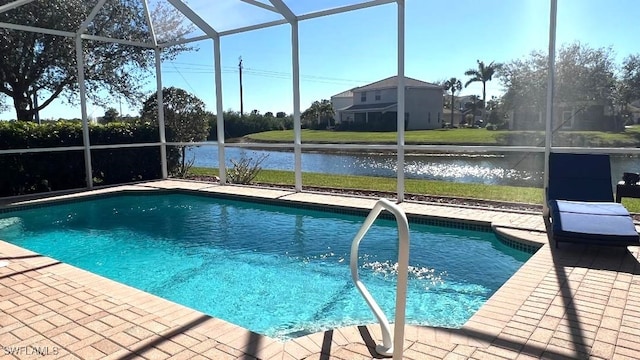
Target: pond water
[(520, 169)]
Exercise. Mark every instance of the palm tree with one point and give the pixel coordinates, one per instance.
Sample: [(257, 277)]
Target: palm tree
[(319, 111), (483, 74), (452, 85)]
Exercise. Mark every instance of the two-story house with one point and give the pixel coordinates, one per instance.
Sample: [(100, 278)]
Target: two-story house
[(377, 104)]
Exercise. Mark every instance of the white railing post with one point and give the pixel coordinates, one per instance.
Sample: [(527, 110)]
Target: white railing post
[(161, 125), (83, 108), (222, 167), (401, 103), (548, 138), (297, 137)]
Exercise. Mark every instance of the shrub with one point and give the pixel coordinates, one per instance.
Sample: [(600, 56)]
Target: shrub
[(245, 170), (236, 126), (35, 172)]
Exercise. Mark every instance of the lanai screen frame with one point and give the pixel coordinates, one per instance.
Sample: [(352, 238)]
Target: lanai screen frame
[(288, 17)]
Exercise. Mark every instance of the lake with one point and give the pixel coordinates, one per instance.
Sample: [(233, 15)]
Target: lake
[(520, 169)]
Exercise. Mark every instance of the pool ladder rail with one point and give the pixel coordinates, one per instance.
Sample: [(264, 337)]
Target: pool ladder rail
[(387, 347)]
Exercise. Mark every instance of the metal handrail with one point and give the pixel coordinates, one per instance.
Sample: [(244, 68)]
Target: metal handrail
[(387, 347)]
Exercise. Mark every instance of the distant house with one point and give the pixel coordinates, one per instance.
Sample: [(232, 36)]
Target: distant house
[(566, 117), (463, 107), (340, 102), (377, 104)]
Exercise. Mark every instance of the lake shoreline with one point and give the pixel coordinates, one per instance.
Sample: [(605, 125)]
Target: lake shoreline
[(255, 145)]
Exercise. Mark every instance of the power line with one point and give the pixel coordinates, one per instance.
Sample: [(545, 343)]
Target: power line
[(192, 68), (183, 78)]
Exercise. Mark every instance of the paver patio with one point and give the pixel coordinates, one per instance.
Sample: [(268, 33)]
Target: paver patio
[(571, 302)]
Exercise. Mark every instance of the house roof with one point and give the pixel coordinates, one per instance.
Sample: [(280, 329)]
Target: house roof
[(370, 107), (392, 81), (347, 93)]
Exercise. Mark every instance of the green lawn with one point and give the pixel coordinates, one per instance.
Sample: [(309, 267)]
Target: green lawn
[(528, 195), (439, 136), (628, 138), (425, 187)]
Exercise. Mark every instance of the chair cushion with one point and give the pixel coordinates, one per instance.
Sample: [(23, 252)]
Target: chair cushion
[(581, 207), (580, 177), (580, 199), (595, 229)]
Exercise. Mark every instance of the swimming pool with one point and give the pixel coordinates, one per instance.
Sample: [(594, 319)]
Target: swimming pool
[(279, 271)]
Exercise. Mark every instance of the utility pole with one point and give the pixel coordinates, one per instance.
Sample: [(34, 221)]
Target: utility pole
[(240, 70)]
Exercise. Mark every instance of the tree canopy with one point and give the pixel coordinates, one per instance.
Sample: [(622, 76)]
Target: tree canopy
[(584, 75), (629, 86), (319, 114), (34, 63), (184, 115), (111, 115), (185, 119)]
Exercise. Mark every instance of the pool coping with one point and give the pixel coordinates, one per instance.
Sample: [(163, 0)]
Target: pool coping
[(506, 325)]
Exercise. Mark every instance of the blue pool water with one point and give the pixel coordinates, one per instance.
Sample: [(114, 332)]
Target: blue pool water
[(281, 272)]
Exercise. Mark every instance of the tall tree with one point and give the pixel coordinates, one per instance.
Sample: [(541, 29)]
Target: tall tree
[(111, 115), (42, 65), (584, 76), (184, 117), (452, 85), (484, 73), (525, 82), (628, 89)]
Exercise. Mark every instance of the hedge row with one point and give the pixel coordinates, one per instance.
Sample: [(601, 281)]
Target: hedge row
[(36, 172), (236, 126)]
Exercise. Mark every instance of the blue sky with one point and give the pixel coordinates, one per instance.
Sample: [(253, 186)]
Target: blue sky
[(339, 52)]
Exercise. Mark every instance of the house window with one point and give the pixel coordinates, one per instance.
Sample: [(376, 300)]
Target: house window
[(378, 95), (567, 120), (429, 118), (363, 96)]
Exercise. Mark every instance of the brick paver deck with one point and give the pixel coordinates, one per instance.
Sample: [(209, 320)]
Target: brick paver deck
[(572, 302)]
